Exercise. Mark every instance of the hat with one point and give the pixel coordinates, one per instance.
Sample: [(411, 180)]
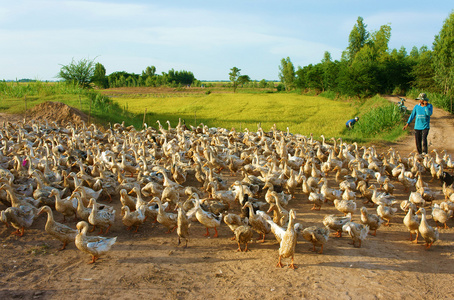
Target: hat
[(356, 118), (423, 96)]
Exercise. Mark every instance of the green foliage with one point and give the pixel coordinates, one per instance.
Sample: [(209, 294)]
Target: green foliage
[(234, 76), (79, 72), (357, 38), (99, 76), (443, 57), (287, 74)]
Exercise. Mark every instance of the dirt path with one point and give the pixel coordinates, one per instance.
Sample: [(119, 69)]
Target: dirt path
[(150, 265), (441, 134)]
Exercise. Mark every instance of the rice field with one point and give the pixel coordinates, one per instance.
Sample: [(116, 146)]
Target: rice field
[(301, 114)]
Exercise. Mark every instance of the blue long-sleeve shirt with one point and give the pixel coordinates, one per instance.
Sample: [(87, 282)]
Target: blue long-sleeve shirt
[(350, 123), (422, 116)]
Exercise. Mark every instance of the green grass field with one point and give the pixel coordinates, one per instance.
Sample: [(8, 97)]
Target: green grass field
[(302, 114)]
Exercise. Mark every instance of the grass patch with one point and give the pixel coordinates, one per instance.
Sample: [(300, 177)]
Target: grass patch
[(301, 114), (42, 249)]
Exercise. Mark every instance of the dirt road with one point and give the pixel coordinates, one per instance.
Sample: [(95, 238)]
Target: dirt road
[(150, 265), (441, 134)]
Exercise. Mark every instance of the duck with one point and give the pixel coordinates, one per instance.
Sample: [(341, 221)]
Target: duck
[(336, 223), (386, 212), (67, 206), (93, 245), (61, 232), (329, 193), (243, 234), (440, 216), (233, 220), (89, 192), (280, 214), (167, 219), (317, 199), (288, 243), (348, 194), (388, 186), (102, 218), (257, 222), (227, 196), (406, 181), (381, 198), (405, 205), (427, 232), (135, 218), (206, 218), (417, 199), (82, 211), (365, 191), (317, 235), (345, 206), (20, 217), (427, 194), (372, 220), (411, 221), (127, 200), (183, 225), (358, 232)]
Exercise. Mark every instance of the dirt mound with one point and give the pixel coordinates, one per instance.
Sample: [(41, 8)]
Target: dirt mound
[(59, 113)]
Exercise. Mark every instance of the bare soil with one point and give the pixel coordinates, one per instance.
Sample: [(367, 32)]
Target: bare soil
[(149, 264)]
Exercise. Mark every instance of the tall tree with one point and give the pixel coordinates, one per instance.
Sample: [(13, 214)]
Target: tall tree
[(99, 76), (234, 76), (357, 38), (287, 74), (423, 69), (443, 57)]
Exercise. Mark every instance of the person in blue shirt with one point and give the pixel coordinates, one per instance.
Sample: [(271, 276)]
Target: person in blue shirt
[(421, 113), (351, 123)]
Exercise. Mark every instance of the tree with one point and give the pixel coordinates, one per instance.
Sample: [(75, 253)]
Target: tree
[(357, 38), (423, 69), (99, 77), (233, 76), (80, 72), (287, 74), (443, 57), (243, 79)]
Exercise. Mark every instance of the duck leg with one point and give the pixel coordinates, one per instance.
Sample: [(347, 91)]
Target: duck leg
[(246, 249), (93, 229), (63, 247), (279, 263), (93, 260), (321, 250), (208, 233), (239, 247), (216, 234), (292, 265), (416, 239)]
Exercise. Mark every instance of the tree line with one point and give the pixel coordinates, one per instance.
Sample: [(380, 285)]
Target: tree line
[(368, 67)]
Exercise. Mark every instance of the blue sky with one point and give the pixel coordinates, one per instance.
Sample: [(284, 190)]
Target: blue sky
[(207, 38)]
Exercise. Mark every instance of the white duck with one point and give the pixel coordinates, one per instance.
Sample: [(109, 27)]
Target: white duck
[(428, 233), (358, 232), (94, 245), (411, 221)]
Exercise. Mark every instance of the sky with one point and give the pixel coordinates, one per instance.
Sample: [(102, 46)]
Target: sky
[(207, 38)]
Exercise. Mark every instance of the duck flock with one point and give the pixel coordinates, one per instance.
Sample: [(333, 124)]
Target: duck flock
[(75, 172)]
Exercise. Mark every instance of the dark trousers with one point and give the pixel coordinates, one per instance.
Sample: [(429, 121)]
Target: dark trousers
[(421, 140)]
